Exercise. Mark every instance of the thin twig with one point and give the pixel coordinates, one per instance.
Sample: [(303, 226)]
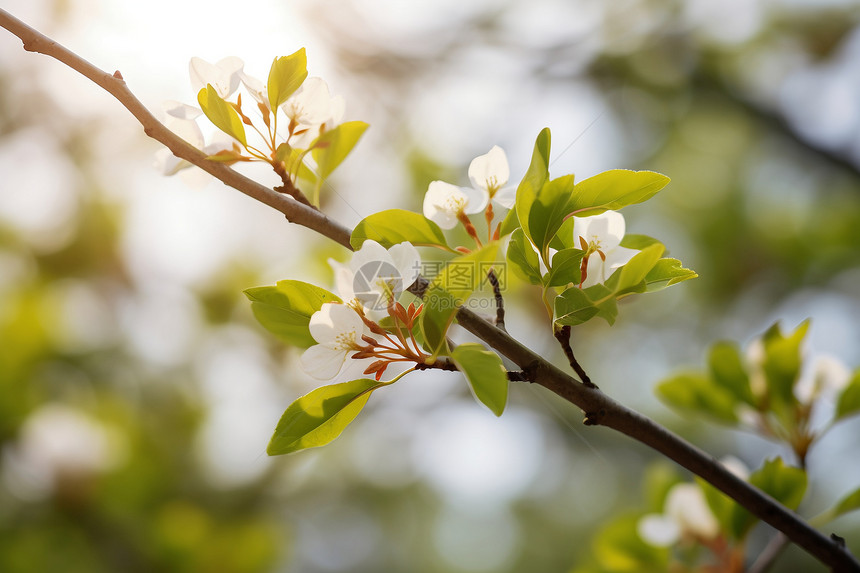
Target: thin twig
[(599, 408), (769, 554), (500, 302), (562, 334)]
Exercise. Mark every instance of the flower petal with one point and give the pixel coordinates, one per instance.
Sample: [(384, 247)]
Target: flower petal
[(658, 530), (617, 258), (408, 262), (605, 230), (490, 171), (256, 88), (477, 200), (686, 504), (505, 197), (180, 110), (442, 202), (323, 362), (224, 75), (343, 280), (334, 324)]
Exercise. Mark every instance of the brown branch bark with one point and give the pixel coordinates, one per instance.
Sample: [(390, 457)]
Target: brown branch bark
[(599, 409)]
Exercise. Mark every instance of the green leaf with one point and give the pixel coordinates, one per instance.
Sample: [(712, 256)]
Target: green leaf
[(564, 238), (395, 226), (667, 272), (542, 213), (786, 484), (332, 147), (538, 171), (575, 305), (221, 113), (783, 362), (486, 374), (228, 156), (614, 189), (848, 402), (848, 503), (619, 548), (509, 224), (728, 371), (531, 186), (286, 309), (450, 289), (566, 268), (697, 394), (286, 76), (523, 258), (320, 416), (631, 277), (721, 505), (293, 160), (640, 242)]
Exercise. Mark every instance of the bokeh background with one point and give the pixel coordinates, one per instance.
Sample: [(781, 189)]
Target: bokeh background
[(137, 393)]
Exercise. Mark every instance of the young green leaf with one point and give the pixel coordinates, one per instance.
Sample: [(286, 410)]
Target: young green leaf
[(320, 416), (450, 289), (640, 242), (292, 159), (486, 374), (697, 394), (332, 147), (666, 272), (614, 189), (533, 181), (286, 309), (783, 362), (631, 277), (541, 212), (286, 76), (538, 171), (523, 258), (619, 547), (566, 268), (848, 402), (221, 113), (509, 224), (728, 371), (786, 484), (848, 503), (575, 305), (395, 226)]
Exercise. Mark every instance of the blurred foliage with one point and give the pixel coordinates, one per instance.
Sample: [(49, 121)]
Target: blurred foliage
[(764, 204)]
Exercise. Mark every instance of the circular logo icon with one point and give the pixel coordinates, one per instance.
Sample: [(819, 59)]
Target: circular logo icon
[(375, 283)]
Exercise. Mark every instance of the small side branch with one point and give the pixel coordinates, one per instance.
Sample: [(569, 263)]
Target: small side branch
[(768, 556), (289, 187), (563, 336), (500, 302)]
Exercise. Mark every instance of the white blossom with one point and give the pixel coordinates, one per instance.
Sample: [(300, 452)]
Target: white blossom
[(600, 235), (685, 514), (824, 380), (223, 75), (376, 276), (338, 329), (58, 442), (181, 120), (490, 173), (313, 110), (444, 203)]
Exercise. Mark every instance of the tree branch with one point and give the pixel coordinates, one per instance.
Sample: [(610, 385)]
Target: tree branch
[(599, 409)]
